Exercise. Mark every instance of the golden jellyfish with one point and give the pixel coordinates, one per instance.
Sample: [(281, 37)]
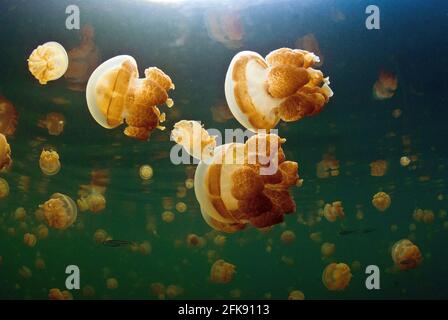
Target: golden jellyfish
[(20, 214), (296, 295), (385, 86), (29, 240), (4, 188), (88, 291), (194, 138), (115, 94), (158, 289), (221, 113), (91, 198), (189, 183), (181, 207), (146, 172), (334, 211), (54, 122), (49, 162), (57, 294), (288, 237), (42, 231), (100, 236), (405, 161), (220, 240), (309, 43), (145, 248), (316, 237), (96, 202), (406, 255), (246, 184), (222, 272), (378, 168), (60, 211), (328, 167), (193, 240), (25, 272), (48, 62), (5, 154), (225, 27), (112, 283), (327, 249), (283, 86), (168, 216), (83, 60), (336, 276), (381, 201), (173, 291), (8, 117)]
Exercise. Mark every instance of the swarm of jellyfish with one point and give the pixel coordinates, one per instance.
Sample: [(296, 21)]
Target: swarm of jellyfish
[(115, 94), (283, 86)]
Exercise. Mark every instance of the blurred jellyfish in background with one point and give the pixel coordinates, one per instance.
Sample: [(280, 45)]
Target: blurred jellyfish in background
[(336, 276), (112, 283), (54, 122), (296, 295), (406, 255), (49, 162), (29, 240), (60, 211), (385, 86), (327, 249), (378, 168), (221, 113), (334, 211), (381, 201), (57, 294), (8, 117), (309, 43), (288, 237), (48, 62), (222, 272), (146, 172), (4, 188), (83, 60), (225, 26)]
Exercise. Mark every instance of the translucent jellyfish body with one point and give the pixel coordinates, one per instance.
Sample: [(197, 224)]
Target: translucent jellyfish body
[(385, 86), (336, 276), (49, 162), (406, 255), (381, 201), (54, 122), (194, 138), (222, 272), (296, 295), (115, 94), (91, 197), (309, 43), (283, 86), (4, 188), (334, 211), (60, 211), (83, 60), (233, 190), (8, 117), (5, 154), (378, 168), (48, 62), (225, 26), (146, 172)]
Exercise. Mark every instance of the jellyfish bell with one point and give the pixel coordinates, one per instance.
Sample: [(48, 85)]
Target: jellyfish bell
[(406, 255), (49, 162), (5, 154), (60, 211), (8, 117), (283, 86), (48, 62), (115, 94)]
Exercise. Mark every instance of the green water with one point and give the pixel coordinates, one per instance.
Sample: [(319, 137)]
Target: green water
[(355, 127)]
